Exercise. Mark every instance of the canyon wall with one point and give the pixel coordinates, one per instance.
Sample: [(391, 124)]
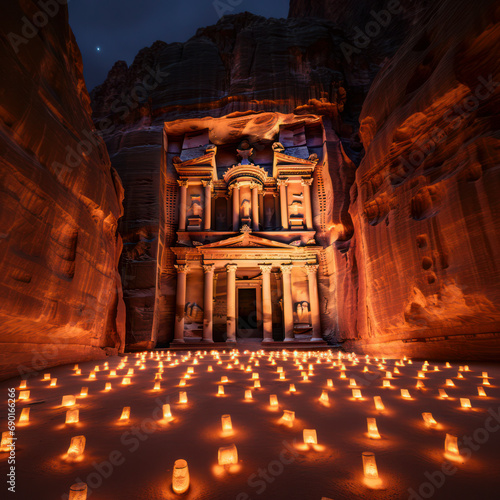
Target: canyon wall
[(60, 292), (421, 274)]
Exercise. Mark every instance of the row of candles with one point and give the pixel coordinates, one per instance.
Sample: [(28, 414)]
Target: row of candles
[(228, 455)]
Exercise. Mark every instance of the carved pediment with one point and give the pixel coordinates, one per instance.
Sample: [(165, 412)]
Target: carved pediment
[(247, 240)]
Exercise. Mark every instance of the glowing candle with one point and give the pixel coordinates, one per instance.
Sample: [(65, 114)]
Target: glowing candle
[(421, 375), (224, 379), (125, 413), (405, 393), (451, 446), (248, 394), (279, 369), (379, 405), (220, 390), (46, 376), (420, 384), (190, 369), (356, 394), (130, 372), (288, 417), (25, 415), (92, 376), (310, 436), (386, 383), (352, 382), (396, 370), (126, 381), (68, 400), (167, 414), (255, 376), (465, 403), (480, 391), (7, 441), (226, 423), (466, 368), (157, 386), (75, 367), (273, 400), (84, 391), (429, 419), (388, 374), (96, 368), (329, 383), (282, 376), (183, 397), (180, 477), (324, 398), (486, 381), (343, 375), (372, 428), (182, 382), (228, 455), (108, 386), (369, 465), (447, 365), (112, 373), (365, 369), (158, 376), (24, 395), (256, 384), (292, 388), (459, 375), (484, 375), (72, 416), (78, 491), (442, 393), (76, 447), (22, 385)]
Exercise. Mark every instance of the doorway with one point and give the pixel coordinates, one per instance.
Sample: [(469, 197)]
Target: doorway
[(248, 326)]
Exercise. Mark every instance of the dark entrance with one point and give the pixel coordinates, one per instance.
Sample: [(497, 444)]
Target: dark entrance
[(247, 314)]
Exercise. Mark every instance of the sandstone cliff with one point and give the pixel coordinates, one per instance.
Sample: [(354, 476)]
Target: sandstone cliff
[(422, 270), (60, 292)]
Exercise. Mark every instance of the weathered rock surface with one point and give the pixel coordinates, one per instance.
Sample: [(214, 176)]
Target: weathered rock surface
[(422, 272), (60, 292)]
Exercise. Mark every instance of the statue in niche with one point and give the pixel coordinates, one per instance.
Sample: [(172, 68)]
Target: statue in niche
[(221, 218), (193, 313), (302, 310), (245, 209), (245, 152)]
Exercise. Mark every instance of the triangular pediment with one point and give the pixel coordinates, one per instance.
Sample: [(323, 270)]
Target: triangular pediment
[(246, 240), (284, 159)]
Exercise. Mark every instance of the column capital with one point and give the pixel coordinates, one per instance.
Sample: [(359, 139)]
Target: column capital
[(207, 182), (266, 268), (183, 182), (254, 185), (208, 268), (307, 182), (282, 182), (231, 267), (312, 268), (286, 268), (234, 185), (182, 268)]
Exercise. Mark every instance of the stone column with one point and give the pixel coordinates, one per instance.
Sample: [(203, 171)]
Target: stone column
[(231, 302), (208, 303), (180, 302), (312, 271), (255, 206), (307, 202), (286, 271), (182, 204), (277, 215), (284, 202), (207, 216), (267, 306), (236, 207)]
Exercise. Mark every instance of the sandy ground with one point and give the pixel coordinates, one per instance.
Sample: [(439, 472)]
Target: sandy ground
[(273, 461)]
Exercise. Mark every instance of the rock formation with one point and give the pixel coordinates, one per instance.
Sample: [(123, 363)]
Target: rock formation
[(60, 292), (421, 273)]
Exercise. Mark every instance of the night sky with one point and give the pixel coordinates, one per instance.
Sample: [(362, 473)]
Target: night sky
[(112, 30)]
